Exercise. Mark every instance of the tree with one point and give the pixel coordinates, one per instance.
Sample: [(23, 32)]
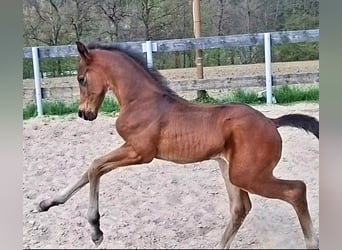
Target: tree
[(156, 17), (44, 22), (57, 22), (115, 12), (80, 16)]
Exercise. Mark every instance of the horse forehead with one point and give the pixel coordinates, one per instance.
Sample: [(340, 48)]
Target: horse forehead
[(81, 67)]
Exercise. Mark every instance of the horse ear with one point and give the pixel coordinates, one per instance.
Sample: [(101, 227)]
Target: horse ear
[(83, 51)]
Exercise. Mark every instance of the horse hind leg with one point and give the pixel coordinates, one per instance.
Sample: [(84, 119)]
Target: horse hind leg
[(240, 205), (294, 192), (291, 191)]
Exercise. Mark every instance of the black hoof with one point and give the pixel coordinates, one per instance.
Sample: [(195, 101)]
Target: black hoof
[(97, 238), (43, 206)]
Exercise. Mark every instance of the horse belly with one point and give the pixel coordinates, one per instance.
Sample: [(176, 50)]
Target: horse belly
[(188, 147)]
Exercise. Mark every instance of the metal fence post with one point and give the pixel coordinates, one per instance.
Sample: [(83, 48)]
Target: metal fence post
[(268, 68), (36, 70)]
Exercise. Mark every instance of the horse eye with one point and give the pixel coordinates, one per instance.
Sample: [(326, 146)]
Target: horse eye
[(81, 80)]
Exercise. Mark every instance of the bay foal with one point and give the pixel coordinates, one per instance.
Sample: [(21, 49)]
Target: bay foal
[(155, 123)]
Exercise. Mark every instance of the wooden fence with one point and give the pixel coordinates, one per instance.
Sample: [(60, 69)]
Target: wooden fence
[(172, 45), (160, 46), (67, 88)]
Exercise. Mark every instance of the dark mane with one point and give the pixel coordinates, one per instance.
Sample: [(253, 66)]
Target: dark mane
[(160, 80)]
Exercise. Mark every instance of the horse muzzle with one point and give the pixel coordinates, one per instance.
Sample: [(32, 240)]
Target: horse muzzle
[(87, 115)]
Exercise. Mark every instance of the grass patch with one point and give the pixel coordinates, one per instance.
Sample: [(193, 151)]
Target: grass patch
[(50, 108), (242, 96), (109, 105), (206, 99), (29, 111), (287, 94), (284, 94), (59, 108), (238, 95)]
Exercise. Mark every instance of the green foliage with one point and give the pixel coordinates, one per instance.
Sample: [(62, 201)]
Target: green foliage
[(206, 99), (284, 94), (237, 95), (29, 111), (287, 94), (56, 67), (300, 18), (295, 52), (242, 96), (179, 59), (50, 108), (59, 108), (28, 69), (51, 67), (109, 105), (124, 21), (301, 21)]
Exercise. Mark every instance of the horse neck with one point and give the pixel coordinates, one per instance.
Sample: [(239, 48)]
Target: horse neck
[(130, 82)]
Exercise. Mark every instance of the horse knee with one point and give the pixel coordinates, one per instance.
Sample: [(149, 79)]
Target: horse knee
[(296, 195), (94, 170)]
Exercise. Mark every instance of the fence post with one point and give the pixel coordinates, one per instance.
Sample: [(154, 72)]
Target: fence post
[(268, 68), (36, 70), (149, 56), (148, 47)]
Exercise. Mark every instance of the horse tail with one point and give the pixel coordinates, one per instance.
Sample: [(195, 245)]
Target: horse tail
[(308, 123)]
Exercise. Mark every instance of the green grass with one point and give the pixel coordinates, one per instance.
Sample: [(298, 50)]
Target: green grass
[(287, 94), (243, 96), (62, 108), (284, 95), (50, 108), (206, 99), (109, 105), (238, 95)]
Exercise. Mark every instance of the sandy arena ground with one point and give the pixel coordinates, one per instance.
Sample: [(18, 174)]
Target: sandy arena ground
[(156, 205), (243, 70)]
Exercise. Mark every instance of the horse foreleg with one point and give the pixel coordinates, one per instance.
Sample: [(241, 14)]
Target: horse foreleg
[(240, 205), (64, 195), (123, 156)]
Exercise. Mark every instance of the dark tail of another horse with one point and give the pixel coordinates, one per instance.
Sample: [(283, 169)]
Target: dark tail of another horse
[(308, 123)]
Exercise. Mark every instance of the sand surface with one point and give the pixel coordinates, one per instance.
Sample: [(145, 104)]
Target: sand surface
[(156, 205)]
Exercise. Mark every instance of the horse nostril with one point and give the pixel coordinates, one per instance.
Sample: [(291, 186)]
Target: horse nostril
[(80, 113)]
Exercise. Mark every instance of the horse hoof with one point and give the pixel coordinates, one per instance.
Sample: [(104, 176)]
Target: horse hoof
[(221, 245), (43, 206), (97, 238), (312, 244)]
